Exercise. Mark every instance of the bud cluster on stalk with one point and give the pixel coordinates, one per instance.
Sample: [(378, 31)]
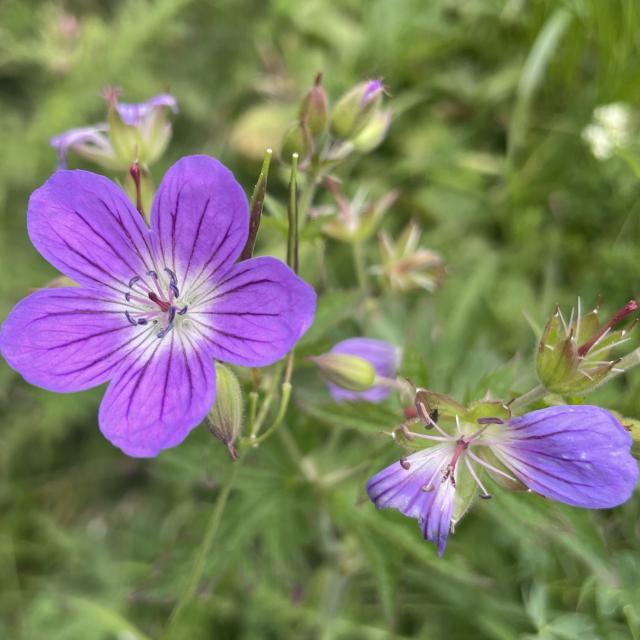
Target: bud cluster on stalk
[(357, 122), (574, 356)]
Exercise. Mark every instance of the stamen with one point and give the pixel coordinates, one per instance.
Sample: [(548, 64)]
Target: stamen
[(485, 495), (489, 466)]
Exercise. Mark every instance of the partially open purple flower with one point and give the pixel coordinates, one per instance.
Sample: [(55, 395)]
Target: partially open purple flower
[(579, 455), (139, 131), (135, 114), (89, 142), (155, 306), (383, 356)]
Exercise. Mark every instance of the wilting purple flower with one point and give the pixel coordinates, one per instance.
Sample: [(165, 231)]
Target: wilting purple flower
[(383, 356), (155, 306), (84, 140), (94, 143), (579, 455), (135, 114)]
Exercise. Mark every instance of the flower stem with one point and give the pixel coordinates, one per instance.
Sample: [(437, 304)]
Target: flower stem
[(360, 266), (533, 395), (197, 569), (282, 409)]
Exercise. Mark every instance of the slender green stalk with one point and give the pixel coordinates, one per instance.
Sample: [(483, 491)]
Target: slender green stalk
[(360, 266), (533, 395), (197, 569), (292, 236), (282, 409)]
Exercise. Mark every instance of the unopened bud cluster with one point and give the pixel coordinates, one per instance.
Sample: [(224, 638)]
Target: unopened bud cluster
[(356, 122)]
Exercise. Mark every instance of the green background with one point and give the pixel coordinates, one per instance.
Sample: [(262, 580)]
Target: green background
[(489, 98)]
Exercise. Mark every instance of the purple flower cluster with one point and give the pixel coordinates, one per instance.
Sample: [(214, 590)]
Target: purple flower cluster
[(155, 307), (579, 455)]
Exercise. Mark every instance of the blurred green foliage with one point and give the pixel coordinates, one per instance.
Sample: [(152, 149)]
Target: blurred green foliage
[(489, 98)]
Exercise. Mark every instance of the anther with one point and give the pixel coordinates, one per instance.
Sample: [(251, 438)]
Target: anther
[(405, 464), (172, 315), (153, 274), (173, 288), (489, 421), (172, 276), (127, 297), (133, 281), (427, 488), (486, 496), (183, 310), (130, 319)]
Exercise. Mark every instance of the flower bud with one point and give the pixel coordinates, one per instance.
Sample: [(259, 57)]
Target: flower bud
[(346, 371), (356, 109), (296, 140), (374, 133), (314, 110), (573, 356), (225, 417)]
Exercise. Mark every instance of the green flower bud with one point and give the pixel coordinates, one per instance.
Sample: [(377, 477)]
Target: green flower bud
[(345, 371), (296, 140), (314, 110), (374, 133), (356, 109), (572, 357), (225, 417)]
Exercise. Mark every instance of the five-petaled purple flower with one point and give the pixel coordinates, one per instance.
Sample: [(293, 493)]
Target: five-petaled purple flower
[(382, 355), (155, 306), (579, 455)]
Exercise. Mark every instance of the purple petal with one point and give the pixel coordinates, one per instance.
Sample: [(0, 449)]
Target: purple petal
[(164, 391), (373, 88), (133, 114), (91, 136), (199, 220), (66, 339), (256, 313), (401, 486), (86, 227), (577, 454), (384, 358)]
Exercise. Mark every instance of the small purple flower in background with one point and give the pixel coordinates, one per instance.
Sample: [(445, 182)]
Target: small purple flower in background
[(579, 455), (139, 131), (383, 356), (155, 307), (88, 142), (137, 114)]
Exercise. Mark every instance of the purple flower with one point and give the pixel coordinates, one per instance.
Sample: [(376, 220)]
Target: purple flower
[(86, 141), (383, 356), (135, 114), (155, 307), (579, 455), (151, 134)]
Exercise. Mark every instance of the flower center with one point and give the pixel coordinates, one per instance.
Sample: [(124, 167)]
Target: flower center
[(154, 300)]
